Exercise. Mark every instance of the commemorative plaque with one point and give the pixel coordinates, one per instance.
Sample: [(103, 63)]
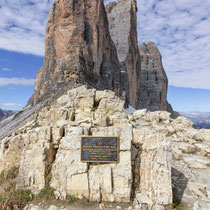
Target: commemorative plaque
[(99, 149)]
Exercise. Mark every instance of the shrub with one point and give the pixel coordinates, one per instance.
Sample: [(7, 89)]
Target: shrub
[(12, 197), (46, 192), (71, 199)]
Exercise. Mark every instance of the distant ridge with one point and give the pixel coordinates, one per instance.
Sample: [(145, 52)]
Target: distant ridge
[(6, 113)]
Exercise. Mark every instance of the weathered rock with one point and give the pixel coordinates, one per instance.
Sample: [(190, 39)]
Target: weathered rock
[(78, 49), (32, 176), (154, 171), (47, 151), (205, 134), (10, 154), (123, 30), (153, 80)]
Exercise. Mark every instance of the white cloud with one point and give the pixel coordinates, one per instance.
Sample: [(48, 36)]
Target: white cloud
[(180, 28), (12, 104), (22, 25), (16, 81), (6, 69)]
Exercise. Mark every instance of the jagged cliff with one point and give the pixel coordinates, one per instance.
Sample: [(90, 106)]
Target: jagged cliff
[(153, 80), (78, 50), (123, 29), (88, 44)]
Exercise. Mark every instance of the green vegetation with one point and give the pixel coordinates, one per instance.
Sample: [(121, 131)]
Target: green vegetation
[(47, 192), (177, 206), (12, 197), (7, 175), (71, 199)]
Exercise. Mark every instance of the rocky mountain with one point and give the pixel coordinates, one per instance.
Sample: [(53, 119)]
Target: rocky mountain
[(6, 113), (123, 30), (199, 119), (88, 44), (1, 114), (163, 162), (78, 50), (153, 80)]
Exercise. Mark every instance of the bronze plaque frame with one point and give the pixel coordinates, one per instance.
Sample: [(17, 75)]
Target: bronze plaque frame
[(100, 161)]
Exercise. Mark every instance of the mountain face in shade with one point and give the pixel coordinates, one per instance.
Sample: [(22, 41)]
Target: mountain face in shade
[(123, 29), (153, 80), (1, 114), (78, 50)]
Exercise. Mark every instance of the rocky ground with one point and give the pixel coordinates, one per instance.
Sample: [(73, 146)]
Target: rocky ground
[(162, 161)]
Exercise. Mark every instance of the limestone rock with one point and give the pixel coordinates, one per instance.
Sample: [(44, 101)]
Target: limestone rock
[(11, 151), (32, 176), (47, 151), (69, 175), (203, 149), (154, 170), (78, 49), (153, 80), (123, 30), (205, 134)]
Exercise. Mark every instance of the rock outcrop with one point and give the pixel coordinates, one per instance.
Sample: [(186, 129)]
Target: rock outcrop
[(78, 49), (154, 81), (1, 114), (162, 160), (123, 30), (88, 44), (51, 139)]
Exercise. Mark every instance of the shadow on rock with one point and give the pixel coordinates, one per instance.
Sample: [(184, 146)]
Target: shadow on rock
[(179, 184)]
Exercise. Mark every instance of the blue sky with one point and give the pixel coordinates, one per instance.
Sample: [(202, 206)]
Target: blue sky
[(180, 28)]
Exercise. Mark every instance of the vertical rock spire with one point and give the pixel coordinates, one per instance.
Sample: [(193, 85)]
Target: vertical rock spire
[(78, 49), (123, 29)]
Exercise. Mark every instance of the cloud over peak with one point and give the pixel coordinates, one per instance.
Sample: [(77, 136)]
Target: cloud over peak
[(180, 28)]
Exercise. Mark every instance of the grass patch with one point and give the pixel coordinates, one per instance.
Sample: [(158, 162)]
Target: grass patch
[(71, 199), (12, 197), (47, 192), (177, 206), (9, 175)]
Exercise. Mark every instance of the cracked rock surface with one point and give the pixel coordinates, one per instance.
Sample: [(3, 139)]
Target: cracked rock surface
[(162, 160)]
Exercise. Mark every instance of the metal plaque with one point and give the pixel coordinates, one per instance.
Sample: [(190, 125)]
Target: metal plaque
[(99, 149)]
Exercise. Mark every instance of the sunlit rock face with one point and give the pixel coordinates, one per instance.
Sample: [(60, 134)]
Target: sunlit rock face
[(78, 49), (161, 160), (123, 30)]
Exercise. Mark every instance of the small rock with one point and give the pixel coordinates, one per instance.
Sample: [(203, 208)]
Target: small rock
[(203, 149), (62, 123), (187, 148), (197, 165), (118, 207), (63, 100), (139, 113)]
